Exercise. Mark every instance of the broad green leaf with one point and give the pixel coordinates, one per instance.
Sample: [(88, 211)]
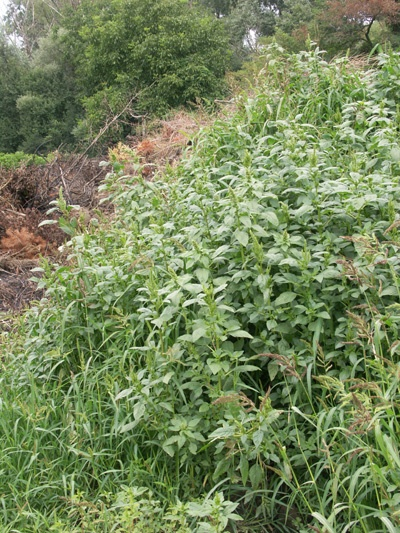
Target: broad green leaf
[(244, 468), (128, 427), (240, 333), (193, 288), (289, 261), (47, 223), (273, 369), (165, 316), (246, 221), (215, 367), (395, 153), (171, 440), (169, 450), (221, 433), (198, 333), (202, 274), (166, 379), (242, 237), (198, 509), (302, 210), (390, 291), (139, 410), (174, 297), (258, 437), (222, 466), (192, 301), (323, 314), (256, 475), (221, 250), (193, 448), (123, 394), (285, 298), (167, 406), (272, 218), (235, 517), (247, 368)]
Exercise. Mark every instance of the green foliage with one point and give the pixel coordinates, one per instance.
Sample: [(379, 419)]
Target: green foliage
[(91, 70), (17, 159), (159, 54), (296, 13), (230, 341), (49, 104), (220, 8), (250, 16), (12, 65), (104, 64)]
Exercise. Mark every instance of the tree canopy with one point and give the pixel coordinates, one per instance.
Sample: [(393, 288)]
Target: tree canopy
[(351, 20)]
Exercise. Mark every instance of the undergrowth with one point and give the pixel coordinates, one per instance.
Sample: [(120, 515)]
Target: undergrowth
[(224, 355), (17, 159)]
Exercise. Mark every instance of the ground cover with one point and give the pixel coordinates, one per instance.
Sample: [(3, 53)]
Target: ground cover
[(227, 346)]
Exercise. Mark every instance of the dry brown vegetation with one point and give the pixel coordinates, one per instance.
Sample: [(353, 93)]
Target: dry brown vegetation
[(25, 196)]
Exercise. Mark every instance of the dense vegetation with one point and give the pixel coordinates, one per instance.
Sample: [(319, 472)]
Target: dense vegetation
[(103, 61), (84, 70), (228, 346)]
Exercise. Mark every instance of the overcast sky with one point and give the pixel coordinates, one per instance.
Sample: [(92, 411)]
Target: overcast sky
[(3, 4)]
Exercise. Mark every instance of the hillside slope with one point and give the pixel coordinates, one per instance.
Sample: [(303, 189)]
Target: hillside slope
[(227, 347)]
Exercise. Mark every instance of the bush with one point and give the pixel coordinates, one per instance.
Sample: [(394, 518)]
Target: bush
[(17, 159)]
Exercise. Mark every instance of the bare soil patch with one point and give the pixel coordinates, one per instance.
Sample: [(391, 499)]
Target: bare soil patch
[(25, 196)]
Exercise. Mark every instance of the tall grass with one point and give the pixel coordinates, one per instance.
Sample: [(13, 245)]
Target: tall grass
[(229, 343)]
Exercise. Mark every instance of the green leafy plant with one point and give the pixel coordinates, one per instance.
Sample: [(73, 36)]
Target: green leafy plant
[(228, 345)]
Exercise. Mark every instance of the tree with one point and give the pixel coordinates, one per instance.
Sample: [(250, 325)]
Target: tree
[(245, 23), (30, 20), (352, 20), (220, 8), (12, 67), (248, 20), (163, 53), (297, 23), (49, 106), (295, 14)]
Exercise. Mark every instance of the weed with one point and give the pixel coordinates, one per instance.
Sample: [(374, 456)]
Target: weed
[(230, 342)]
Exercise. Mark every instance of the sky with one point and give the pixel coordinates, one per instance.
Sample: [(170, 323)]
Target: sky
[(2, 7)]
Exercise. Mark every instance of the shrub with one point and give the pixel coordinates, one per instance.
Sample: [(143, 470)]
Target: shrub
[(17, 159)]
